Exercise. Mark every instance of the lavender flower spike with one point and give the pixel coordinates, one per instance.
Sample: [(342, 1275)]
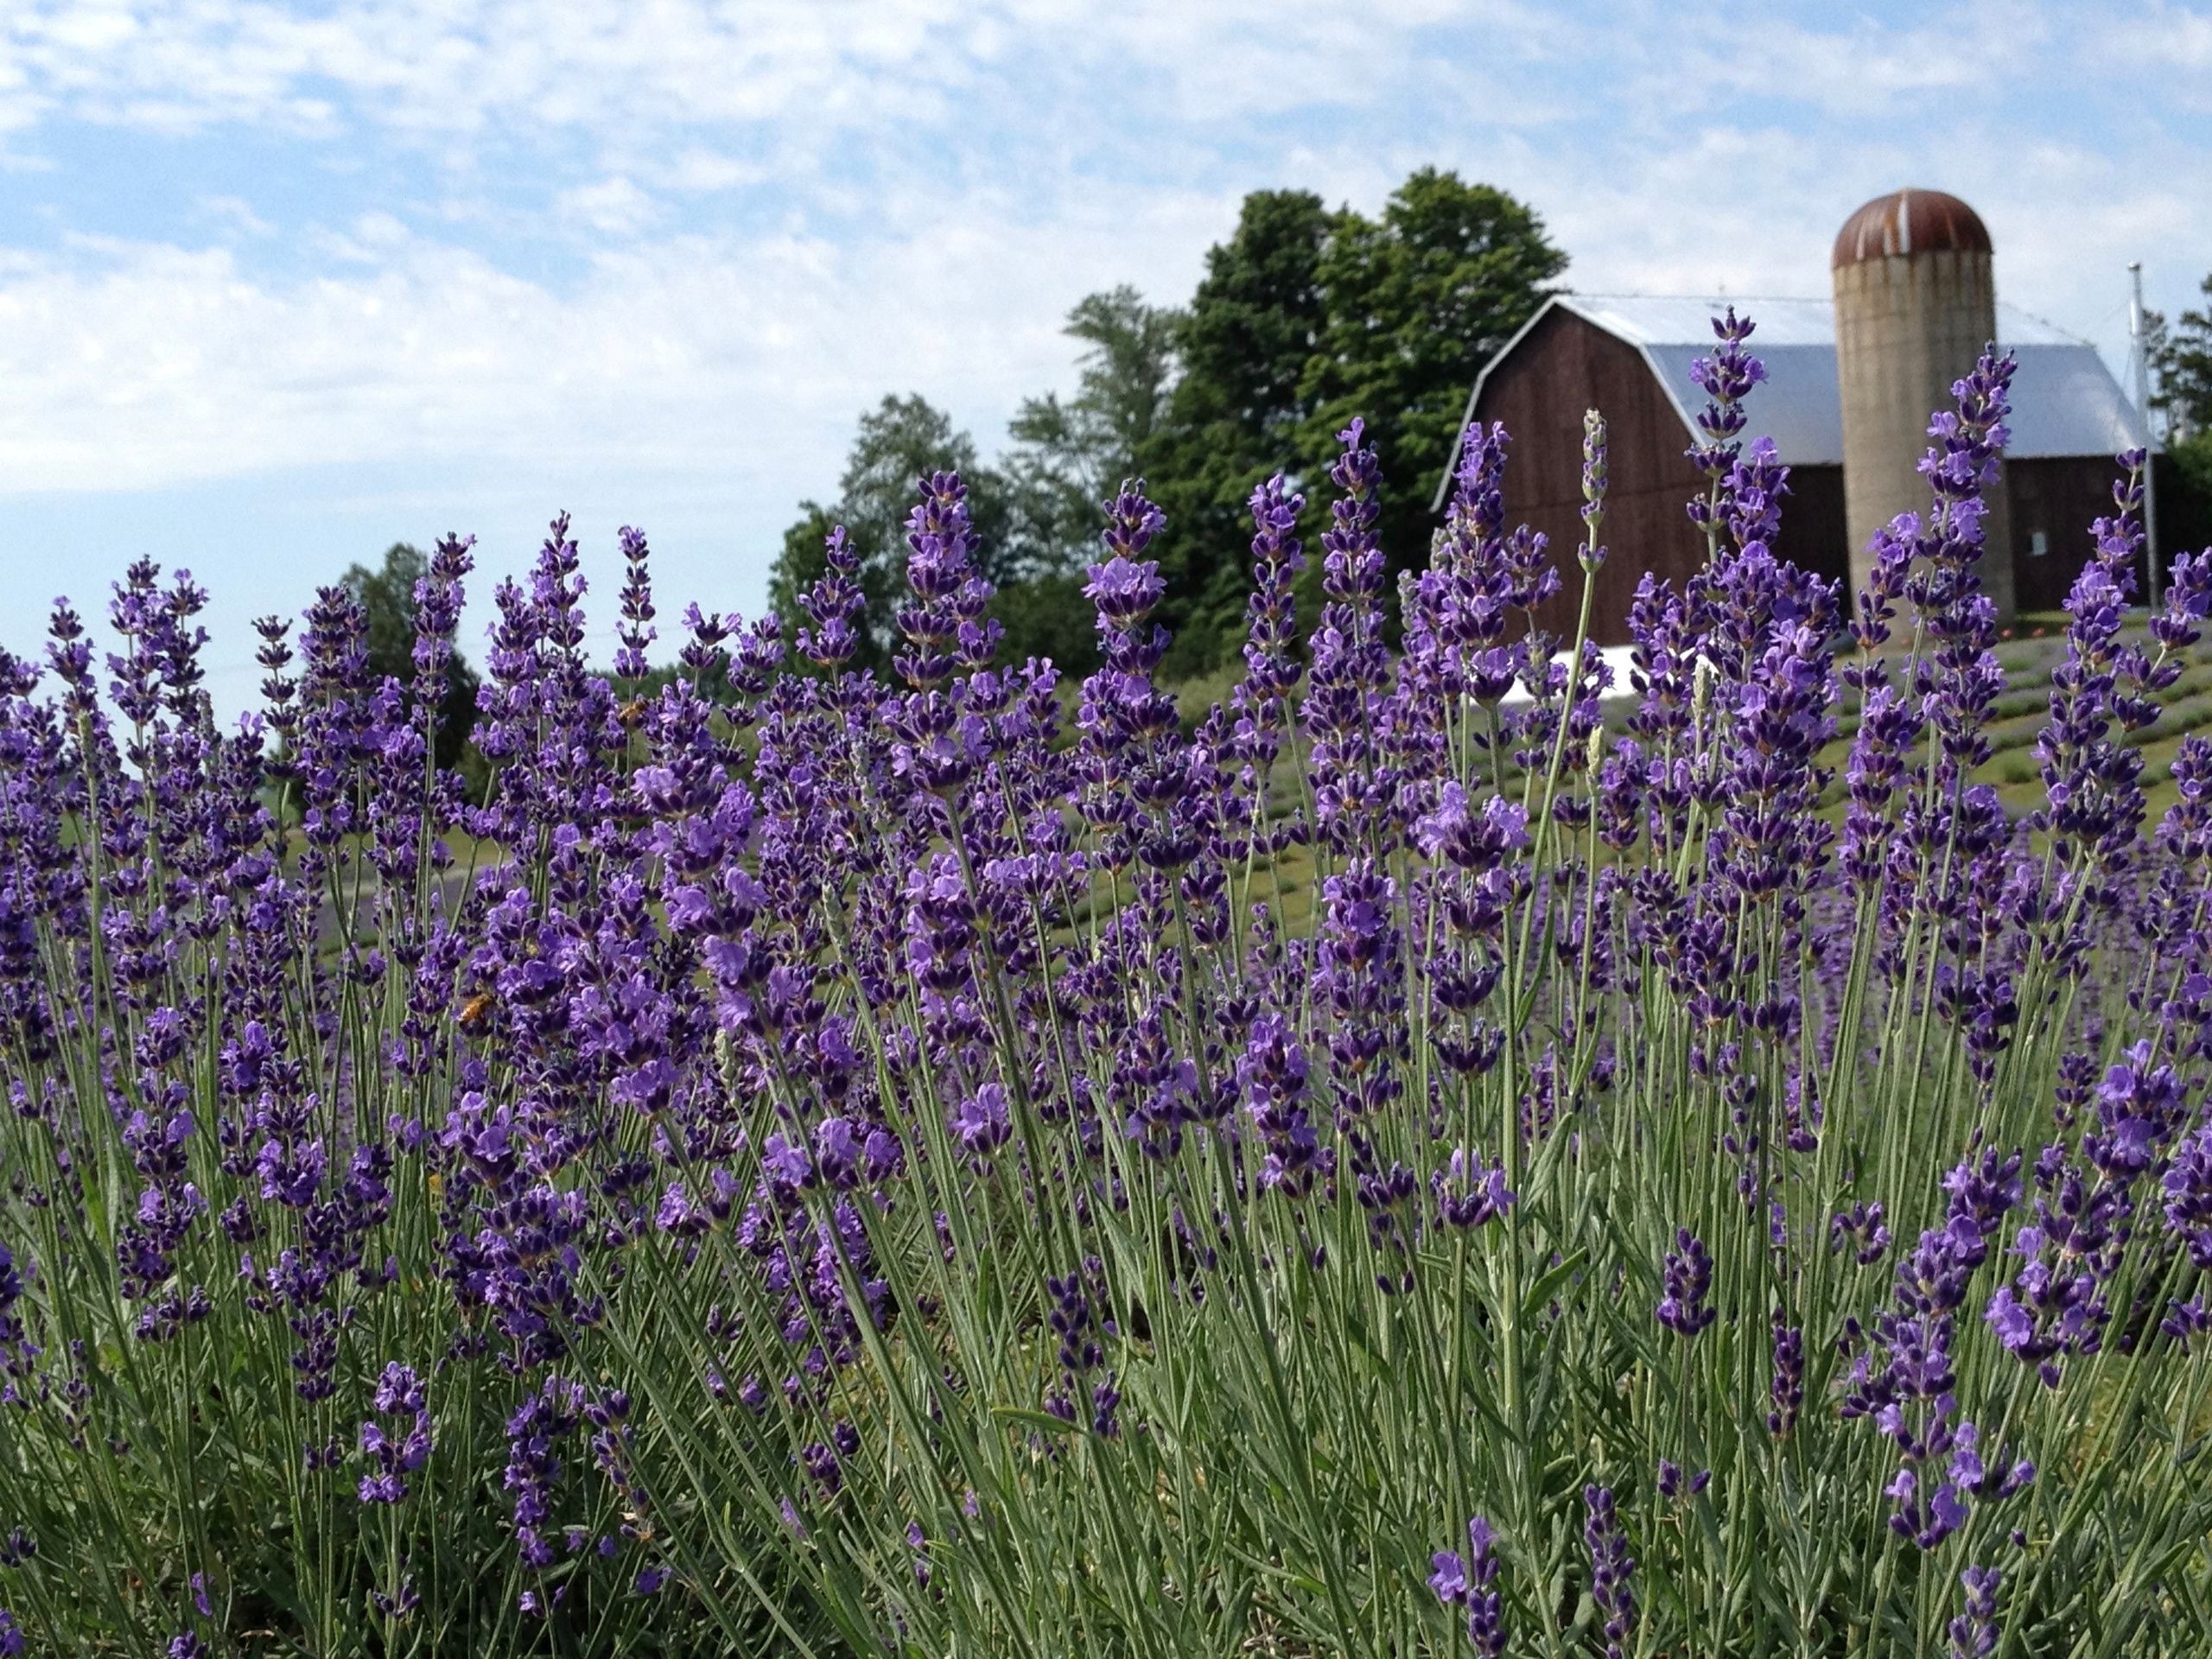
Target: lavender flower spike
[(1612, 1571), (1688, 1278), (1469, 1582)]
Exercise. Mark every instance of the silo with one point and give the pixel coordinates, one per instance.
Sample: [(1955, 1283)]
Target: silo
[(1915, 304)]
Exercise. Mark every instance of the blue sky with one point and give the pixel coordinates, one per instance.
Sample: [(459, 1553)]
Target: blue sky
[(280, 285)]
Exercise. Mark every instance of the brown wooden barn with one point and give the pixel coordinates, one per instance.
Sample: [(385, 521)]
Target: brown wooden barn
[(1629, 357)]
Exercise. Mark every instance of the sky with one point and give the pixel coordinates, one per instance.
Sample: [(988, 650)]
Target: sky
[(282, 284)]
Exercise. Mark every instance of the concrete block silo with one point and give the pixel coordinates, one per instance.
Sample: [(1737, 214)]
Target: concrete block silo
[(1916, 302)]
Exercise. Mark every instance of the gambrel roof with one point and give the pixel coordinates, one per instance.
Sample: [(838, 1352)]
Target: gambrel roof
[(2065, 401)]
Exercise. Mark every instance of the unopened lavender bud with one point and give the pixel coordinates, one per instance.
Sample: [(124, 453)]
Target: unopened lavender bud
[(1593, 485)]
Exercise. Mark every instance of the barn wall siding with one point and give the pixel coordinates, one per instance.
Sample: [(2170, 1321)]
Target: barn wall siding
[(2062, 497), (1566, 366), (1813, 534)]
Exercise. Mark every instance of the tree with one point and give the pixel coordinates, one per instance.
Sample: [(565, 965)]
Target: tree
[(898, 443), (1244, 343), (387, 594), (1305, 318), (2181, 391), (804, 563), (1047, 615), (1069, 457), (2181, 368), (1416, 302)]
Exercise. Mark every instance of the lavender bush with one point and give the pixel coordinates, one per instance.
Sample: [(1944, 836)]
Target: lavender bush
[(1433, 1164)]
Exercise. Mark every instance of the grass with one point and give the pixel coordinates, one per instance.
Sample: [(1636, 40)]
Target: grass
[(2018, 718)]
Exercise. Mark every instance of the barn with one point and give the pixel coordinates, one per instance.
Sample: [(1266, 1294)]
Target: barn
[(1629, 356)]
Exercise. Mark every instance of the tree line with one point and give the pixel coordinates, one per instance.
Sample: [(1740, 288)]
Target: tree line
[(2181, 396), (1306, 316)]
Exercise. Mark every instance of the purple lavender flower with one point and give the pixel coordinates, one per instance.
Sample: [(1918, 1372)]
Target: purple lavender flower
[(1469, 1582), (2048, 1310), (534, 1467), (1974, 1632), (1358, 978), (980, 1122), (834, 605), (2189, 1195), (1257, 705), (1863, 1230), (945, 627), (1347, 684), (1124, 589), (2183, 1322), (1786, 1388), (18, 1352), (1688, 1278), (1075, 1321), (1272, 1072), (1612, 1571), (399, 1393), (787, 1162), (1472, 841), (2090, 778), (399, 1604), (637, 631), (1449, 1580), (1386, 1195), (1469, 1191)]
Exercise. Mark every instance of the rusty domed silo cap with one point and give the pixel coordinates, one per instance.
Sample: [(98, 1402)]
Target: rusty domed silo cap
[(1909, 221)]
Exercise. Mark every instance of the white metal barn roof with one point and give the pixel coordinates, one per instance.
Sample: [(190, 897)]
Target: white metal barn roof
[(2065, 401)]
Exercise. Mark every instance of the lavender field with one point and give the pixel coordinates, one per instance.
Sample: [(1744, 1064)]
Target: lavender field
[(939, 1165)]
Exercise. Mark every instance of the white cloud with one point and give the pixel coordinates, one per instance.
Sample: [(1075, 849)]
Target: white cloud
[(616, 207), (156, 365), (1014, 153), (460, 67), (2166, 52), (702, 169), (457, 65), (236, 211), (1859, 68)]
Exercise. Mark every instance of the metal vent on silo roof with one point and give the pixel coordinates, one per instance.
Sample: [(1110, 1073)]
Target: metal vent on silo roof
[(1908, 222)]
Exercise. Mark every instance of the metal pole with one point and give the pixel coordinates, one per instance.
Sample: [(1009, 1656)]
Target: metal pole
[(2141, 354)]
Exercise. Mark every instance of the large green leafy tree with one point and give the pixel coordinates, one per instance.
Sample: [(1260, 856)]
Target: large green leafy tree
[(2181, 367), (898, 441), (2181, 364), (1416, 302), (387, 594), (1067, 457), (1306, 317), (1245, 341)]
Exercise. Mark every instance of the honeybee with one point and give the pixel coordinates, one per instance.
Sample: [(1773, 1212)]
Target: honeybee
[(476, 1010), (631, 713)]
